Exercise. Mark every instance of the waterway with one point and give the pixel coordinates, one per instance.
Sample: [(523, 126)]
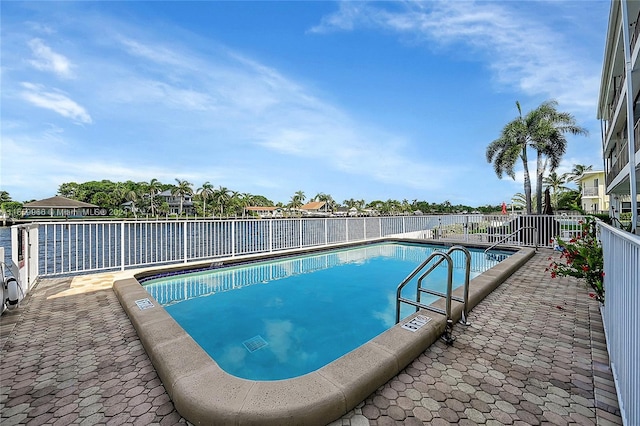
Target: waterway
[(5, 241)]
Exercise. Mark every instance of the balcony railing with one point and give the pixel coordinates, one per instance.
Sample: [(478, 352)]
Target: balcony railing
[(635, 33), (614, 101), (619, 164), (636, 134), (590, 192)]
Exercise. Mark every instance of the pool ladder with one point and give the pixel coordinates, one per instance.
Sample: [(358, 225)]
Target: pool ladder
[(447, 335)]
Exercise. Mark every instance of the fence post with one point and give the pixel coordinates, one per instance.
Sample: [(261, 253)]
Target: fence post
[(270, 236), (300, 232), (326, 231), (185, 242), (122, 245), (466, 228), (364, 229), (233, 238), (346, 227)]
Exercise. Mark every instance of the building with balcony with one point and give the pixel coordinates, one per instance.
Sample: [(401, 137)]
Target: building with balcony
[(174, 203), (619, 109), (592, 190)]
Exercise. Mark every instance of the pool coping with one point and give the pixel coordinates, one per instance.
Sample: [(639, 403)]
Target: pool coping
[(204, 394)]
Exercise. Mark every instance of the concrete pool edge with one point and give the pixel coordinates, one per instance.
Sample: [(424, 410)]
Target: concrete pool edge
[(203, 393)]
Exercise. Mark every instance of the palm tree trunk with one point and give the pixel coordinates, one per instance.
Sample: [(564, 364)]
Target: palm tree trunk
[(539, 176), (527, 180), (541, 167)]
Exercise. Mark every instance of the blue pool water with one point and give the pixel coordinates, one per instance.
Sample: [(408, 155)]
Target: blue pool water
[(285, 318)]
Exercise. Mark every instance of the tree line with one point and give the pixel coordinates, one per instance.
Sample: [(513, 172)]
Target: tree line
[(142, 198)]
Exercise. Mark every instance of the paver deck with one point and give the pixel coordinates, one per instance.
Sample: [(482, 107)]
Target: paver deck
[(534, 354)]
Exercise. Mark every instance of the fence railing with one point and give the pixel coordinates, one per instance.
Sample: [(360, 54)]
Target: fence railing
[(621, 316), (73, 247)]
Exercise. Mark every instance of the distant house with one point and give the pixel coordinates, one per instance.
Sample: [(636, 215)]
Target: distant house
[(60, 207), (340, 212), (265, 211), (174, 203), (316, 208), (594, 198)]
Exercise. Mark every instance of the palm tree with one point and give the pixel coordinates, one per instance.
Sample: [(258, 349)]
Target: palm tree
[(543, 130), (406, 207), (297, 200), (576, 174), (547, 133), (154, 187), (245, 200), (132, 196), (205, 192), (350, 203), (505, 151), (4, 197), (235, 203), (221, 197), (331, 204), (519, 201), (163, 208), (182, 190), (556, 183)]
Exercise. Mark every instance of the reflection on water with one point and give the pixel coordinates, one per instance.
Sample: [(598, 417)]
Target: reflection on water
[(183, 287)]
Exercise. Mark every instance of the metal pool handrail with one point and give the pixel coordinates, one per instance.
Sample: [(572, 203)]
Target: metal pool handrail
[(448, 338), (503, 239)]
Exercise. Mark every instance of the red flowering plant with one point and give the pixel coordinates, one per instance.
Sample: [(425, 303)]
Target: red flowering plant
[(582, 258)]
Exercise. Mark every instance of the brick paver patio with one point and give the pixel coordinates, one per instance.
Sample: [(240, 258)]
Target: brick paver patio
[(534, 354)]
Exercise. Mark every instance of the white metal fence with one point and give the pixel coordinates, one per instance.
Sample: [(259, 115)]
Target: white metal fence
[(621, 316), (73, 247)]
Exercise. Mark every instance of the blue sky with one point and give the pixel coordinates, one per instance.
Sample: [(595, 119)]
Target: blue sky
[(364, 100)]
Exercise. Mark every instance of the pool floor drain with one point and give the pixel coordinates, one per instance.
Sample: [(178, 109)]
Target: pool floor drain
[(255, 343)]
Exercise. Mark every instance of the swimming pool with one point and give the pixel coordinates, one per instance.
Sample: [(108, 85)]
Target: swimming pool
[(285, 318), (204, 393)]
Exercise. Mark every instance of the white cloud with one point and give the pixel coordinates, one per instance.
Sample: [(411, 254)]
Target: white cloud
[(45, 59), (155, 53), (236, 95), (135, 90), (54, 101), (521, 48)]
